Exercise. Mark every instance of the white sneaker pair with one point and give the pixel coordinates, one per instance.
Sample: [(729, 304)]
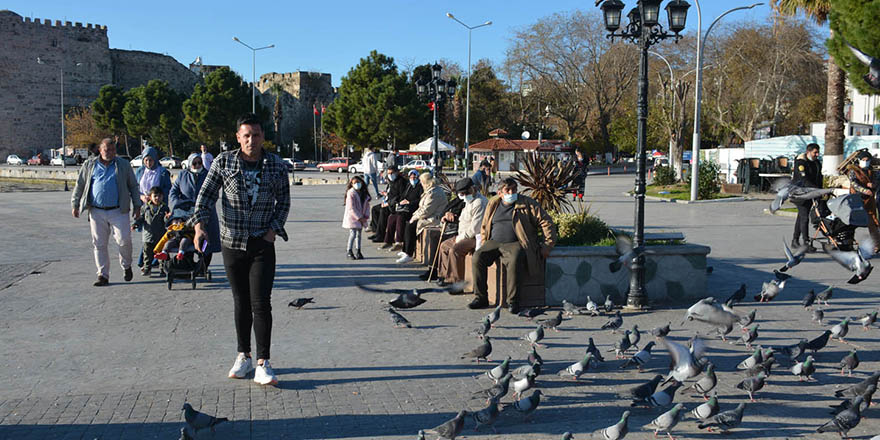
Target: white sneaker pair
[(404, 259), (243, 365)]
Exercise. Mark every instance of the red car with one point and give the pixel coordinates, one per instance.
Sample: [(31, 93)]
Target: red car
[(338, 164), (39, 159)]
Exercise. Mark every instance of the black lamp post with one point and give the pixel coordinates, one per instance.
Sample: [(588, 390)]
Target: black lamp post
[(644, 29), (435, 90)]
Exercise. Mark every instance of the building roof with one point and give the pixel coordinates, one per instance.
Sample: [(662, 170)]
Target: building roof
[(499, 144)]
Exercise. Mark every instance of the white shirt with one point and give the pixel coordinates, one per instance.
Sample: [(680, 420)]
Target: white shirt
[(471, 218), (370, 165), (207, 160)]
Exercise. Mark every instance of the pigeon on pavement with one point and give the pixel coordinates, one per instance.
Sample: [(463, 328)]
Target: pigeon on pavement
[(198, 421), (494, 315), (793, 352), (859, 388), (621, 346), (609, 304), (613, 323), (848, 403), (840, 330), (809, 299), (704, 384), (531, 313), (661, 332), (819, 342), (592, 349), (575, 370), (770, 290), (781, 276), (398, 319), (737, 296), (873, 75), (643, 391), (751, 334), (818, 316), (667, 421), (849, 363), (618, 430), (752, 385), (498, 390), (641, 358), (793, 258), (844, 420), (552, 323), (481, 352), (483, 329), (825, 295), (488, 415), (525, 370), (535, 336), (660, 398), (868, 320), (726, 420), (804, 369), (634, 337), (534, 357), (300, 302), (527, 405), (522, 385), (570, 309), (752, 360), (591, 307), (745, 321), (451, 428), (498, 371), (707, 409)]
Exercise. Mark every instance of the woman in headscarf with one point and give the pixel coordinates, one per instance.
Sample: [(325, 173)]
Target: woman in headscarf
[(150, 175), (184, 193)]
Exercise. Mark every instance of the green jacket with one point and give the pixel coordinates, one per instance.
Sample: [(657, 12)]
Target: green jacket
[(528, 217), (129, 194)]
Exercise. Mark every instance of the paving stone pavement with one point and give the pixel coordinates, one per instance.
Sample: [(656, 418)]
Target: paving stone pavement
[(119, 362)]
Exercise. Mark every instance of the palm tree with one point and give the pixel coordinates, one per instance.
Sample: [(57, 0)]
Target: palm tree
[(277, 90), (818, 10)]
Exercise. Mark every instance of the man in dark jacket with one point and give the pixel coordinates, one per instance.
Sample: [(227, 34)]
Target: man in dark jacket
[(808, 174), (393, 193)]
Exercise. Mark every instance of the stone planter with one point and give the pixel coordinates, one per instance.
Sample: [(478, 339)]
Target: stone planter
[(672, 273)]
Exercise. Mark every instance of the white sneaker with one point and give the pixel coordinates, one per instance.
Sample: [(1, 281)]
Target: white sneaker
[(265, 375), (242, 366), (404, 259), (401, 253)]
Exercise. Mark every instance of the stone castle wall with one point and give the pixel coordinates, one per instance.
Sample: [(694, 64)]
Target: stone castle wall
[(301, 91), (132, 68)]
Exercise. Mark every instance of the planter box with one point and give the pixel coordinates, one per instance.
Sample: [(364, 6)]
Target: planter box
[(672, 273), (531, 291)]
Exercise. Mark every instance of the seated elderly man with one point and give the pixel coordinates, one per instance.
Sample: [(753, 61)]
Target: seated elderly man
[(453, 250), (510, 232)]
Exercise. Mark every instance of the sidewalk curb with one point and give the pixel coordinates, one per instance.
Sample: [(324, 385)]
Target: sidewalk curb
[(688, 202), (780, 213)]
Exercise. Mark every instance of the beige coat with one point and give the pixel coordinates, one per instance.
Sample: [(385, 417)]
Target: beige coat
[(431, 207), (528, 217), (471, 219)]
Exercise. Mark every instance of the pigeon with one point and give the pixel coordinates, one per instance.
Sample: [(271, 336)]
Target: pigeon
[(525, 370), (781, 276), (450, 429), (535, 336), (840, 329), (531, 313), (634, 337), (570, 309), (488, 415), (499, 371), (641, 358), (618, 430), (868, 320), (683, 365), (737, 296), (522, 385), (849, 363), (498, 390), (745, 321), (726, 420), (592, 349), (873, 75), (409, 298), (825, 295), (770, 290), (398, 319), (621, 346), (591, 307), (818, 316), (575, 370), (819, 342), (481, 352), (859, 388), (764, 367), (751, 334), (643, 391), (527, 405), (844, 420), (793, 352), (809, 299), (613, 323), (707, 409), (197, 421), (785, 190), (866, 401), (552, 323), (804, 369), (609, 304), (300, 302), (856, 260), (704, 384), (661, 332), (625, 253), (792, 258), (184, 435), (667, 421), (483, 329), (660, 398), (421, 435), (707, 311), (534, 357), (494, 315), (752, 385), (567, 435)]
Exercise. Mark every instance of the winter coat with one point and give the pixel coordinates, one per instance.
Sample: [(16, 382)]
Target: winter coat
[(355, 210), (370, 165), (432, 205), (164, 175), (153, 221), (471, 218), (807, 173), (528, 216), (183, 195)]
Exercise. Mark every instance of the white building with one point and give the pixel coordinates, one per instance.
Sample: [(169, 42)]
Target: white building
[(862, 107)]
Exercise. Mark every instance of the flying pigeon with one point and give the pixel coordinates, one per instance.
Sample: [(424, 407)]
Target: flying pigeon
[(451, 428), (592, 349), (575, 370), (409, 298), (481, 352), (737, 296), (522, 385), (552, 323), (868, 320), (641, 358), (535, 336), (704, 384), (873, 75), (785, 190), (844, 420), (499, 371), (197, 421), (726, 420), (804, 369), (683, 365), (660, 398), (300, 302), (643, 391), (609, 304), (825, 295), (819, 342), (794, 258), (752, 385), (618, 430), (770, 290), (625, 253), (498, 390), (707, 409), (809, 299), (613, 323), (856, 261), (527, 405), (859, 388), (848, 403), (667, 420), (488, 415), (840, 330), (708, 312), (780, 276), (849, 363), (398, 319)]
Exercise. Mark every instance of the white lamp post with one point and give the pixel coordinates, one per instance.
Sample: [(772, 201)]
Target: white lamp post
[(253, 84)]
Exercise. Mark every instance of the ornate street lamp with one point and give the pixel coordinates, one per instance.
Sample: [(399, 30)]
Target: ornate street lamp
[(644, 29), (435, 90)]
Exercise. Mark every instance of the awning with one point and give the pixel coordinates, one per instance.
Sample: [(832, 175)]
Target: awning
[(425, 146)]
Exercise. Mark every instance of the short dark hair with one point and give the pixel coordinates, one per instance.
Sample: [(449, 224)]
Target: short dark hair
[(156, 190), (249, 119), (812, 147), (509, 183)]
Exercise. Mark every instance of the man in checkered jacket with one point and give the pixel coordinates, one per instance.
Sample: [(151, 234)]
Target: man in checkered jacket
[(255, 203)]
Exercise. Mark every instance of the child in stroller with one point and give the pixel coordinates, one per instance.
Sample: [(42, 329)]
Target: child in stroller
[(176, 251), (837, 220)]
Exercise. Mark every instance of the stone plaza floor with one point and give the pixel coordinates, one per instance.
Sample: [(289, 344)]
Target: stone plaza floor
[(118, 362)]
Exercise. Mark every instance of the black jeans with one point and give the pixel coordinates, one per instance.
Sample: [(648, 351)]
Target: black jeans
[(802, 223), (251, 274), (378, 219), (410, 238)]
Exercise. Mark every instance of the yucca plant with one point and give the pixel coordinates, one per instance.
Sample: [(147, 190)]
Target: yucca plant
[(547, 180)]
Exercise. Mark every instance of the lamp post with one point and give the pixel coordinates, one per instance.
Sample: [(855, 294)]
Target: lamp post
[(61, 68), (254, 83), (698, 94), (467, 112), (644, 29), (435, 90), (541, 131)]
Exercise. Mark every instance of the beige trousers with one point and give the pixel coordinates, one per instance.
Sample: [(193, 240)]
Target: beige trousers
[(102, 223)]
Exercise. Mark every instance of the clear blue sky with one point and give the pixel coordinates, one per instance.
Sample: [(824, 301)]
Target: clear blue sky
[(325, 36)]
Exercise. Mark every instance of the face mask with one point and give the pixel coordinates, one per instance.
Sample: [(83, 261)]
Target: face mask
[(863, 163), (357, 186), (509, 198), (413, 182), (391, 177)]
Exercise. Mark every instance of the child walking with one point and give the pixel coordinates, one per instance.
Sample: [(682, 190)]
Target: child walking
[(152, 218), (357, 215)]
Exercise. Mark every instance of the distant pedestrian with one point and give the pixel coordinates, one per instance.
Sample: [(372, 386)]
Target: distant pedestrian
[(356, 216), (483, 178), (391, 159), (371, 169), (580, 176), (207, 157), (152, 219), (183, 196), (107, 191), (256, 201)]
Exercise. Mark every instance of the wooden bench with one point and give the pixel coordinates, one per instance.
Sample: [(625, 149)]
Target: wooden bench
[(530, 290)]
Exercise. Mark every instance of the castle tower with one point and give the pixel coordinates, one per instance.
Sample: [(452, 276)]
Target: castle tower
[(302, 90)]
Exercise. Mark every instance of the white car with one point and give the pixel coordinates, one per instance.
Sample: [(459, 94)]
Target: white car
[(359, 168), (416, 165), (170, 162), (14, 160), (138, 161), (60, 161)]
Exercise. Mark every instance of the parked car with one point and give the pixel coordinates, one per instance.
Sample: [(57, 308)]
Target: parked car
[(358, 167), (294, 165), (137, 162), (39, 159), (417, 164), (59, 161), (170, 162), (12, 159), (338, 164)]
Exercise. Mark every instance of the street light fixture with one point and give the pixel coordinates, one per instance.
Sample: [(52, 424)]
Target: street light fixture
[(435, 90), (61, 68), (644, 29), (467, 114), (254, 83)]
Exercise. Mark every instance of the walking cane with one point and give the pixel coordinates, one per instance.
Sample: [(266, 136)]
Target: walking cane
[(437, 253)]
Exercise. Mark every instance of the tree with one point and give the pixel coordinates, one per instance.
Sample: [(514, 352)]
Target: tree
[(376, 103), (154, 110), (82, 129), (818, 11), (214, 107), (107, 111), (855, 22), (277, 115), (490, 103)]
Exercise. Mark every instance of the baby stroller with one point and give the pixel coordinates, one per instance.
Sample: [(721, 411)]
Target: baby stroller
[(837, 220), (191, 263)]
